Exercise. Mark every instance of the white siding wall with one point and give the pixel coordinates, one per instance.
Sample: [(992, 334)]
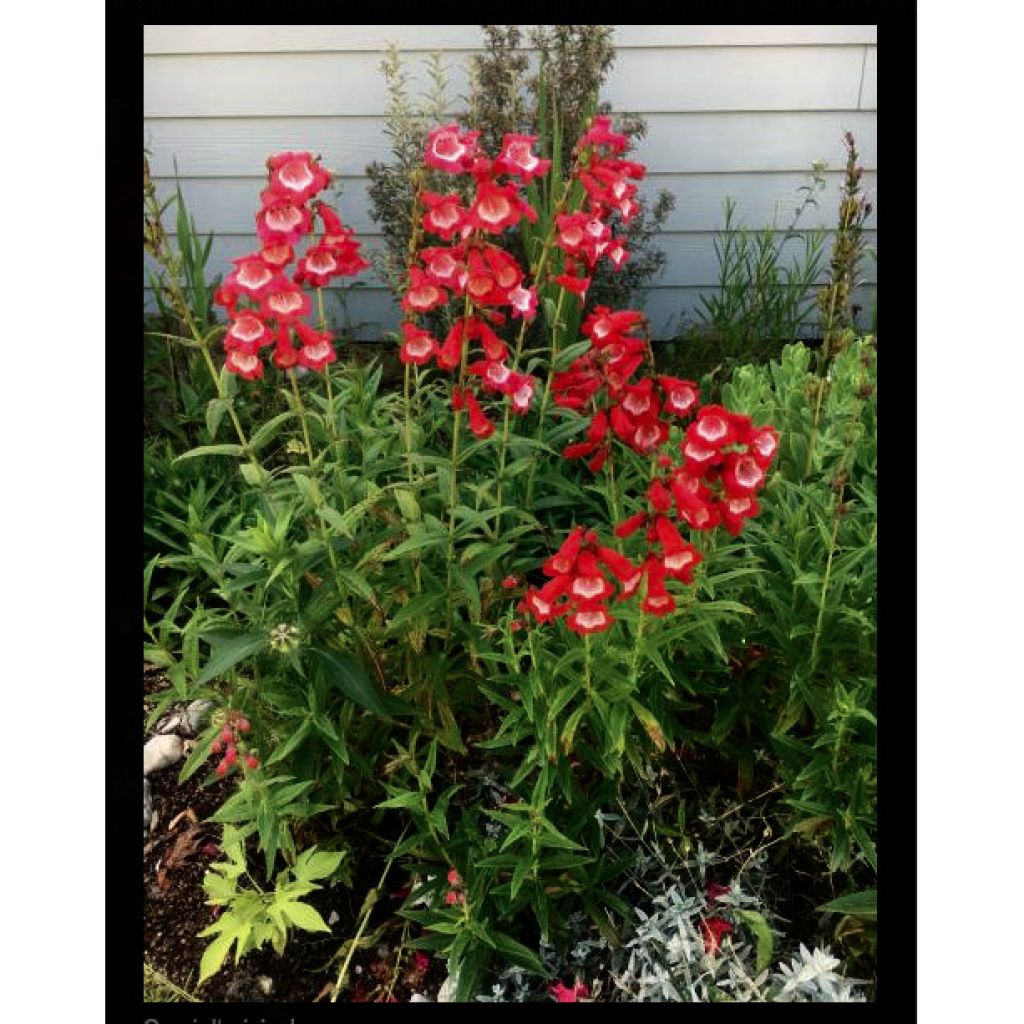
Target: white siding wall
[(739, 110)]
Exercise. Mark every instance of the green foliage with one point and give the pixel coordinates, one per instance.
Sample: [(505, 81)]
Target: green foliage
[(812, 676), (335, 561), (251, 918)]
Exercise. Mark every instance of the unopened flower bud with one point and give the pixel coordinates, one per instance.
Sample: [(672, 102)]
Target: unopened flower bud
[(284, 638)]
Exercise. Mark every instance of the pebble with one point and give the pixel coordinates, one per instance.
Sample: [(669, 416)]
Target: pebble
[(194, 716), (334, 917), (417, 998), (147, 805), (266, 984), (160, 752), (187, 722)]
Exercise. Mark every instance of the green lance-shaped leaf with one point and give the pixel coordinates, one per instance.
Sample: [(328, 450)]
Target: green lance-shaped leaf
[(344, 672), (228, 650)]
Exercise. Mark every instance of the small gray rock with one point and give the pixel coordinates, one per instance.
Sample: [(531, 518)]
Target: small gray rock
[(160, 752), (266, 984), (194, 717), (147, 805)]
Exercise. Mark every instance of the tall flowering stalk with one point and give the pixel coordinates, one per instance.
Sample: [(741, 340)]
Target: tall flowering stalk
[(268, 307)]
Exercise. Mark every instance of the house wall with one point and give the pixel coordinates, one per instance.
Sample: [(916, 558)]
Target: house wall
[(737, 110)]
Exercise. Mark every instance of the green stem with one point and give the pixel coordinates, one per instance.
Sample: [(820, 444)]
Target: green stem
[(547, 391), (634, 669), (824, 590), (453, 490), (408, 422), (242, 439), (302, 415), (587, 683)]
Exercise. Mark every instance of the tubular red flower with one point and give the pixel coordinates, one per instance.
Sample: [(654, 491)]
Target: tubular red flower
[(629, 526), (445, 214), (281, 219), (244, 364), (497, 207), (576, 285), (286, 302), (449, 355), (317, 347), (590, 620), (681, 396), (422, 294), (713, 929), (523, 302), (252, 276), (450, 149), (741, 474), (285, 356), (277, 254), (713, 427), (764, 444), (318, 266), (480, 425), (564, 559), (521, 394), (247, 332), (735, 510), (621, 567), (517, 157), (297, 175), (419, 345)]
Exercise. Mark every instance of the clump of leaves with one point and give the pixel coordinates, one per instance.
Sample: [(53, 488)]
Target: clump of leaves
[(250, 917)]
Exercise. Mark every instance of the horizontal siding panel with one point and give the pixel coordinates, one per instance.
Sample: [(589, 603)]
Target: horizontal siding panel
[(743, 35), (228, 205), (730, 78), (366, 315), (869, 90), (691, 259), (279, 84), (225, 147), (158, 39), (660, 80)]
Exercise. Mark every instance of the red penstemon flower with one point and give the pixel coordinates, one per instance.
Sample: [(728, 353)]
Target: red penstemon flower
[(713, 928), (281, 219), (565, 994), (247, 333), (245, 364), (451, 149), (422, 294), (297, 175), (317, 347), (286, 302), (252, 276), (445, 214), (517, 158), (419, 345)]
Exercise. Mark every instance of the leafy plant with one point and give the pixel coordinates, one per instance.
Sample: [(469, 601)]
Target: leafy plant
[(250, 918)]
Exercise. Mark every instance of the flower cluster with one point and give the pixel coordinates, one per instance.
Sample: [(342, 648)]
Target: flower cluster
[(578, 587), (471, 268), (718, 487), (236, 725), (266, 306), (585, 236)]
